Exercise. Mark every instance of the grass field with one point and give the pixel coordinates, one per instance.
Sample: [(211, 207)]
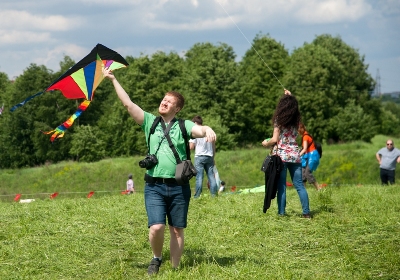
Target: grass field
[(354, 234)]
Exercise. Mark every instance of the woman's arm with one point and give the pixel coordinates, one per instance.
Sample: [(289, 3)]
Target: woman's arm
[(275, 138), (305, 147)]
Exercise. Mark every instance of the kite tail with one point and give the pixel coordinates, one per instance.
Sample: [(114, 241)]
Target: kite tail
[(26, 100), (60, 130)]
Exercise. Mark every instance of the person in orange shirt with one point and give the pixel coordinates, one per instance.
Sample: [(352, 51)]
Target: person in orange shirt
[(310, 157)]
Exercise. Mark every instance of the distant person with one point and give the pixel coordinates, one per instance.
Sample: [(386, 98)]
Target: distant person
[(310, 157), (130, 186), (286, 120), (165, 199), (203, 161), (387, 158), (222, 187)]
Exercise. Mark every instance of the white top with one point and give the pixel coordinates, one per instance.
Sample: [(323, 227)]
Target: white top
[(203, 148), (129, 185)]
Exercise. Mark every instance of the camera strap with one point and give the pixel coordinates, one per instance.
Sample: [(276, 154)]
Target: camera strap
[(166, 133), (171, 145)]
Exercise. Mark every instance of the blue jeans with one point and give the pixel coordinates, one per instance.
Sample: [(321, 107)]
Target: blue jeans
[(296, 175), (205, 163), (167, 200)]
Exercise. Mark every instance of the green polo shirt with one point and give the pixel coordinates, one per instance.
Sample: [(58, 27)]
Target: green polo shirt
[(166, 160)]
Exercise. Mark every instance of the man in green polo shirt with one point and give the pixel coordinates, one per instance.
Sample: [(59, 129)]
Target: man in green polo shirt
[(164, 197)]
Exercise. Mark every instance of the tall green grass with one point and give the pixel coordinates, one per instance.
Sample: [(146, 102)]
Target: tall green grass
[(352, 163), (354, 234)]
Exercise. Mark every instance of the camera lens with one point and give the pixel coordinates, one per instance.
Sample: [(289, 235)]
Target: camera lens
[(142, 164)]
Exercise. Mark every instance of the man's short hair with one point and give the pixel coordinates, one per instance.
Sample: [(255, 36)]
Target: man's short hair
[(180, 100), (198, 120)]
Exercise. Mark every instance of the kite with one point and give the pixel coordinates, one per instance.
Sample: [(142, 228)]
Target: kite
[(81, 81)]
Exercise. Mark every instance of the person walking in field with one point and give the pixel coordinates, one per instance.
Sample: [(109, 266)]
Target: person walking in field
[(387, 158), (130, 186), (286, 120), (204, 160), (165, 198), (310, 157)]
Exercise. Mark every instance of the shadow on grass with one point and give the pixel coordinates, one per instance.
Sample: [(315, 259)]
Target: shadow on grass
[(194, 257), (191, 258)]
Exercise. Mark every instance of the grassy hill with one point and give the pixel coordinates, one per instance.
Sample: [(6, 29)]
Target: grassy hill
[(353, 233), (352, 163)]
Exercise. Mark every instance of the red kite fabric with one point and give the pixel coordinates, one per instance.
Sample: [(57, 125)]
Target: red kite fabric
[(81, 81), (17, 197), (53, 195), (90, 194)]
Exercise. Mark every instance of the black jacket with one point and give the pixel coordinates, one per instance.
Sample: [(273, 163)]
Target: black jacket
[(272, 174)]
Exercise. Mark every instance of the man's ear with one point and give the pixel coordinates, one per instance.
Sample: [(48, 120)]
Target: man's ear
[(177, 109)]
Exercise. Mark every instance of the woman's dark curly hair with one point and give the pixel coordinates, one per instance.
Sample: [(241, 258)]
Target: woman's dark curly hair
[(287, 113)]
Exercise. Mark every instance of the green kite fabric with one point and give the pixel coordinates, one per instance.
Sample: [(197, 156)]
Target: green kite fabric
[(80, 82)]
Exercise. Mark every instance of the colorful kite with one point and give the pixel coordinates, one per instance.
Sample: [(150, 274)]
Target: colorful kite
[(80, 81)]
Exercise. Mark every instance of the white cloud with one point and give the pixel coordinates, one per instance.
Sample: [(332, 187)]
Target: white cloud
[(52, 57), (23, 37), (22, 20), (332, 11), (221, 14)]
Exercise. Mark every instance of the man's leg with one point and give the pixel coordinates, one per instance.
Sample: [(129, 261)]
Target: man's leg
[(391, 176), (176, 245), (155, 209), (177, 221), (384, 177), (156, 237), (307, 173), (199, 165), (209, 168)]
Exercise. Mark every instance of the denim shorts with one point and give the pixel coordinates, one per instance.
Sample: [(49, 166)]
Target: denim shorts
[(167, 200)]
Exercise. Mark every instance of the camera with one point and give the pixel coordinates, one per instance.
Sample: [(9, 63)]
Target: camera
[(148, 162)]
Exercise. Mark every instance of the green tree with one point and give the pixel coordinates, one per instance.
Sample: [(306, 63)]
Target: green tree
[(355, 83), (352, 123), (312, 77), (86, 144), (260, 73), (209, 83), (390, 116), (225, 140)]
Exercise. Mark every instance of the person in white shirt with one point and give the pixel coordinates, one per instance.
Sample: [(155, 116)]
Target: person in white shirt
[(130, 186), (203, 161)]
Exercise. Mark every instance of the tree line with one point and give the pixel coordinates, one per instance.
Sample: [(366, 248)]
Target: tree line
[(236, 98)]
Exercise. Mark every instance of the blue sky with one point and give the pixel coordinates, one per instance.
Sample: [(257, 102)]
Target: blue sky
[(43, 31)]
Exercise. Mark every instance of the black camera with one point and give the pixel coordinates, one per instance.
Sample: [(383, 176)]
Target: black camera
[(148, 162)]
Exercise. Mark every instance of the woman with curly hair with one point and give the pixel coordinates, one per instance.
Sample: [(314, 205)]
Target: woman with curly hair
[(285, 121)]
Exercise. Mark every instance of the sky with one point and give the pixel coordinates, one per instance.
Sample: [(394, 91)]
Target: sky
[(44, 31)]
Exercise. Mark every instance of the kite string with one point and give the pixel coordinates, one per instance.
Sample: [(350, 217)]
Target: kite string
[(251, 44)]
